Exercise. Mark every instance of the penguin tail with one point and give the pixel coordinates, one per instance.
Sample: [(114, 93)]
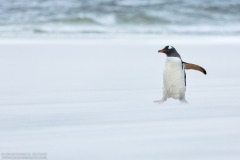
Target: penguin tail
[(194, 67)]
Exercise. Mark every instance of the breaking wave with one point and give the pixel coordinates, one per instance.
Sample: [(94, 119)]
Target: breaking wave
[(76, 17)]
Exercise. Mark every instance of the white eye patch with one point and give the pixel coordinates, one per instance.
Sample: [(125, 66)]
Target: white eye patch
[(169, 47)]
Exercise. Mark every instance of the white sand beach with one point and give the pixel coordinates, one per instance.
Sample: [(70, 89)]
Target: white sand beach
[(86, 99)]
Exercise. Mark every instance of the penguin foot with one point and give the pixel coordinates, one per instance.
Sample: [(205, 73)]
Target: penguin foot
[(183, 101), (160, 101)]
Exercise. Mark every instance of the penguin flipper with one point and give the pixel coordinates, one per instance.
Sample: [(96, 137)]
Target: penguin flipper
[(194, 67)]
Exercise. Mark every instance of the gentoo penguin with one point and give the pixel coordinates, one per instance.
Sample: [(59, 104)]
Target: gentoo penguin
[(174, 76)]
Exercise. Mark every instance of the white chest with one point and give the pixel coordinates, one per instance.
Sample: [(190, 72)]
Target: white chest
[(174, 78), (173, 67)]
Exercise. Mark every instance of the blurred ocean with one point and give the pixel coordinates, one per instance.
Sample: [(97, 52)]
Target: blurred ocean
[(76, 18)]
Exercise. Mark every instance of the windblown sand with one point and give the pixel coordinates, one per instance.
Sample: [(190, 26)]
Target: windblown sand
[(93, 100)]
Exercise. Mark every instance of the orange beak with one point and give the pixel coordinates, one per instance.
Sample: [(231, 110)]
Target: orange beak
[(162, 50)]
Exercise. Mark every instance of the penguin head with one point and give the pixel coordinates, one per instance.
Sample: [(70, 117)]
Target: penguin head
[(167, 50), (170, 51)]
